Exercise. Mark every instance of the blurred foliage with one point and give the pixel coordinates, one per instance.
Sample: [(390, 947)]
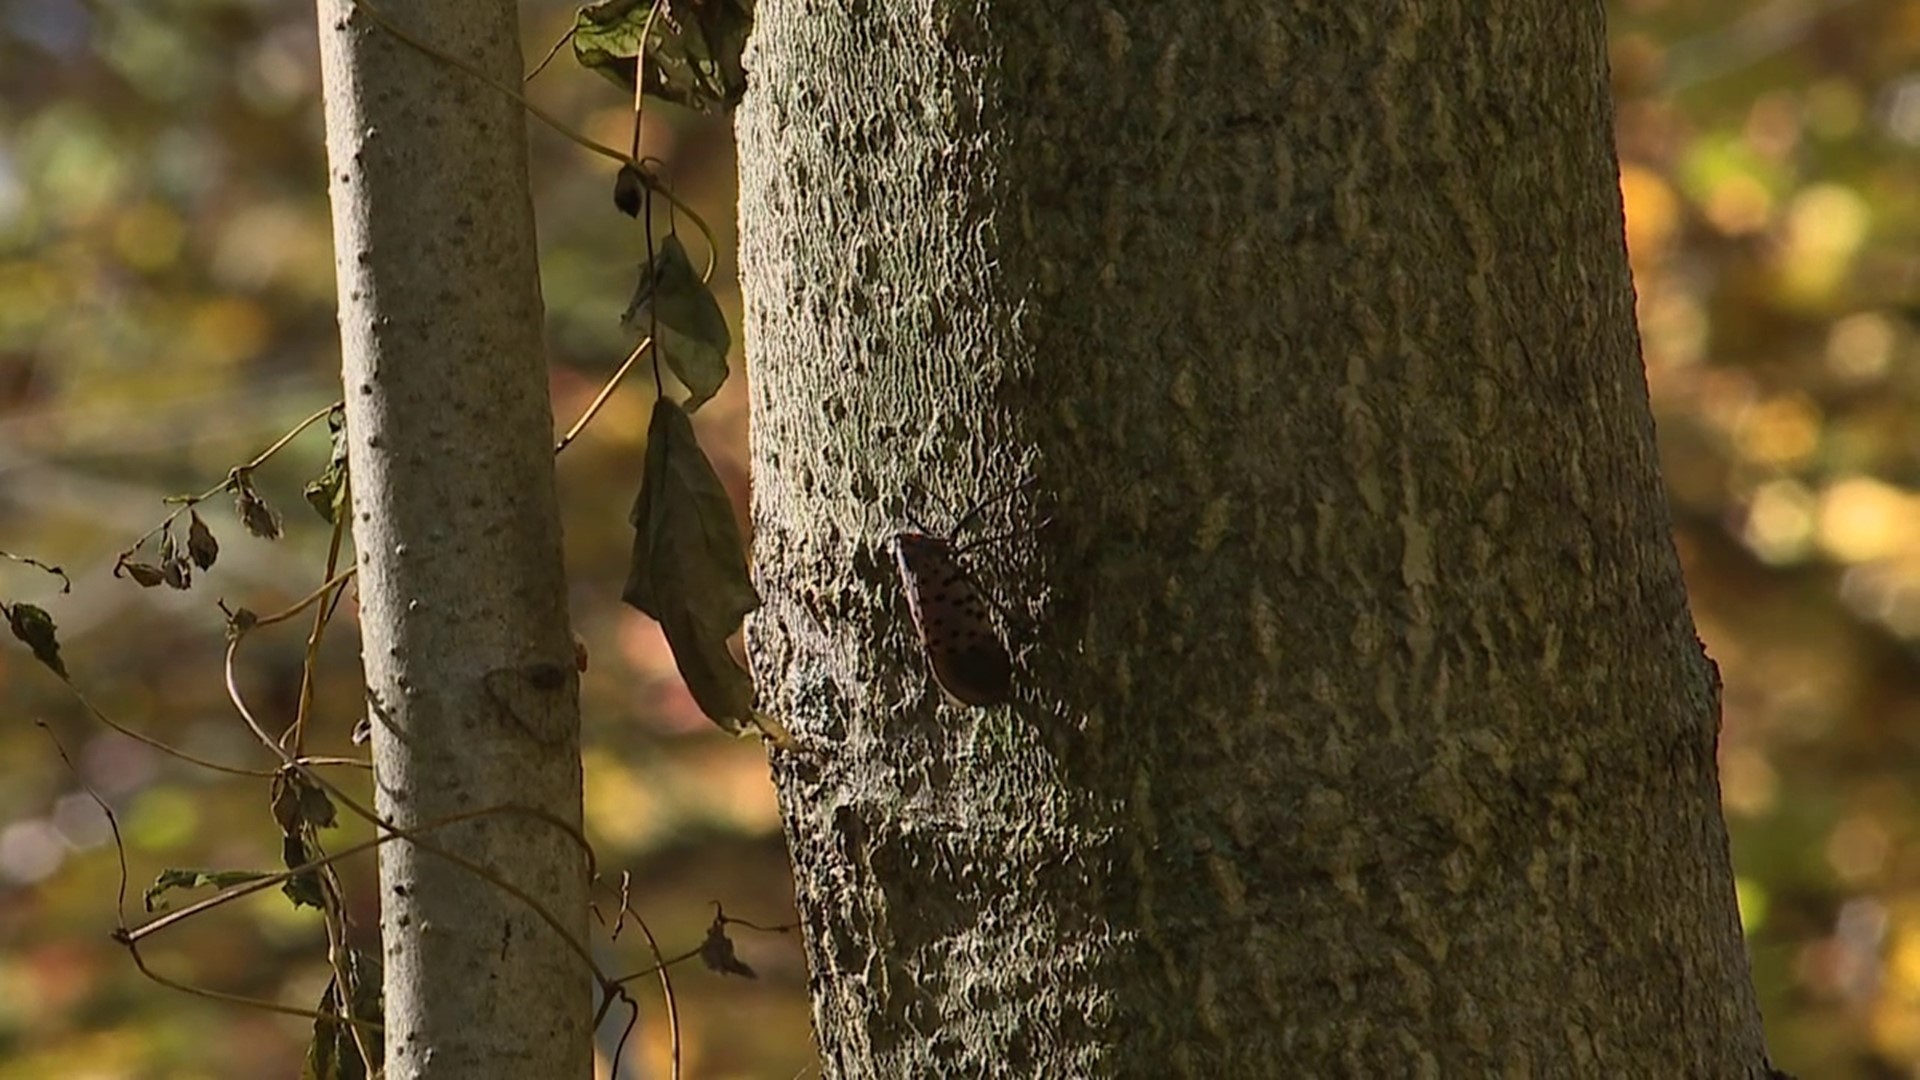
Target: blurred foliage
[(1768, 168), (166, 310)]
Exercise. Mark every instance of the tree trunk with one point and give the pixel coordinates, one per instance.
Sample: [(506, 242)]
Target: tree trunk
[(1359, 727), (469, 663)]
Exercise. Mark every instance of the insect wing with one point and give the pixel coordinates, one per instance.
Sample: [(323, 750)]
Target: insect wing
[(968, 660)]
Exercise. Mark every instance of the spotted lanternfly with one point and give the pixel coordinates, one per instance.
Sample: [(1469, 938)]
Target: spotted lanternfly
[(969, 660)]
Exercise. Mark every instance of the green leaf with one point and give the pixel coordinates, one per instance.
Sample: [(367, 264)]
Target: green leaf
[(693, 48), (693, 336), (689, 567), (333, 1055), (195, 879), (327, 493), (35, 629)]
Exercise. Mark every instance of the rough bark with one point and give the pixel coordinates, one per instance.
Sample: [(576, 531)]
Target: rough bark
[(469, 663), (1361, 727)]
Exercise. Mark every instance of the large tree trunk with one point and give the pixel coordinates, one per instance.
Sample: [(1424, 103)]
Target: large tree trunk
[(469, 663), (1360, 727)]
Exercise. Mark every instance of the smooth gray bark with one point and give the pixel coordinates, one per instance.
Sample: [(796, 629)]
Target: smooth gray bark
[(463, 617), (1361, 726)]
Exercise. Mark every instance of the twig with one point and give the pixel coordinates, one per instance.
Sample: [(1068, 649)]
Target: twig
[(666, 982), (122, 933), (260, 622), (600, 399), (165, 748), (374, 16), (66, 583), (640, 73), (484, 873), (551, 53), (295, 738), (661, 966), (653, 295), (188, 502)]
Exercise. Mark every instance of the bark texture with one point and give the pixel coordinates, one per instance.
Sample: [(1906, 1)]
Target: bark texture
[(469, 662), (1361, 726)]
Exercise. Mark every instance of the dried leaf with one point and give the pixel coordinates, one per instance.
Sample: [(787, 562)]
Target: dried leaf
[(717, 953), (298, 801), (146, 575), (719, 685), (195, 879), (201, 546), (239, 620), (692, 334), (174, 570), (35, 629), (259, 518), (333, 1054), (629, 190), (689, 566), (327, 493), (304, 888), (693, 48)]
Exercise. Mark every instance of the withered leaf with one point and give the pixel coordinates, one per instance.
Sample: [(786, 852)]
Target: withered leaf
[(719, 685), (333, 1054), (239, 620), (298, 801), (692, 335), (327, 493), (689, 566), (201, 546), (35, 629), (693, 48), (716, 952), (171, 879), (259, 518), (174, 570), (629, 190), (146, 575), (303, 888)]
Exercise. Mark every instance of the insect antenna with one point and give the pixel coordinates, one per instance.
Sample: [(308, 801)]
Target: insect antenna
[(967, 519), (997, 538), (925, 495)]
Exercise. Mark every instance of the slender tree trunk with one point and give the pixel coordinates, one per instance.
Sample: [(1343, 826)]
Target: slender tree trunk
[(1360, 726), (469, 664)]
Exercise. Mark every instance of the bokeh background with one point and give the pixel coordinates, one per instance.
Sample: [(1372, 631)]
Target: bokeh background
[(166, 310)]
